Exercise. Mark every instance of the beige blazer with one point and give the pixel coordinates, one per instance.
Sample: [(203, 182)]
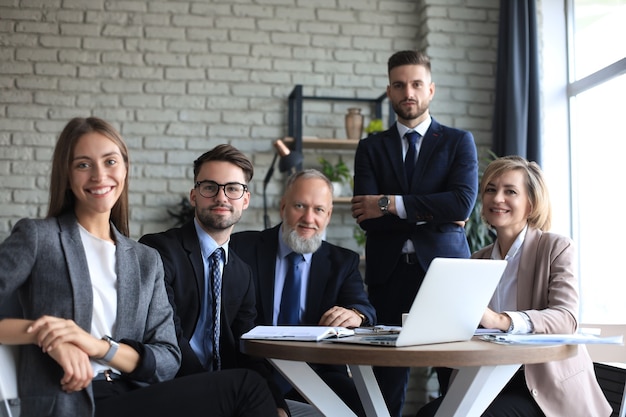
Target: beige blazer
[(547, 290)]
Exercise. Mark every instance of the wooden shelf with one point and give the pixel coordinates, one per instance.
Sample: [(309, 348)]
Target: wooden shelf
[(342, 200), (314, 143)]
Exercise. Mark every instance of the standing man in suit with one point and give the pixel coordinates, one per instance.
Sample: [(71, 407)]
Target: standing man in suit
[(414, 185), (219, 196), (331, 291)]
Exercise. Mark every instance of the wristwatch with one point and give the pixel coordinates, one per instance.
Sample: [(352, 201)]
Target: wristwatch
[(113, 347), (383, 204)]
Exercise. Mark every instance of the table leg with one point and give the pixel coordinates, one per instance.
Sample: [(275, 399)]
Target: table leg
[(312, 387), (369, 391), (474, 388)]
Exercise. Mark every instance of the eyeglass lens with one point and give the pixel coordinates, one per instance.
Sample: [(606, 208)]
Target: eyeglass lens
[(233, 190)]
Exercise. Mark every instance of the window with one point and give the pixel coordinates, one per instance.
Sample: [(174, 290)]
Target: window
[(597, 73)]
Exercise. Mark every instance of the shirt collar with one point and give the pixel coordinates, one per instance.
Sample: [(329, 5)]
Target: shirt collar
[(208, 244), (420, 128), (514, 250)]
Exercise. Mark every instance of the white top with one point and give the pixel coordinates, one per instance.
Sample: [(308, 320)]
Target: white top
[(505, 297), (101, 262)]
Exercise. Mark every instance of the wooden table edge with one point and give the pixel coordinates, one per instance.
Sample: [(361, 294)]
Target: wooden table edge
[(456, 354)]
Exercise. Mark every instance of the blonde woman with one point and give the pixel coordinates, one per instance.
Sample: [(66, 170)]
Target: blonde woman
[(538, 293)]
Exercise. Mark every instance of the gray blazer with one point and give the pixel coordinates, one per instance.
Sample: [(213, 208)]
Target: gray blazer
[(44, 261)]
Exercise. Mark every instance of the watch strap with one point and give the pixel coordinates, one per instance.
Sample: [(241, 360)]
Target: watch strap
[(364, 320), (113, 347)]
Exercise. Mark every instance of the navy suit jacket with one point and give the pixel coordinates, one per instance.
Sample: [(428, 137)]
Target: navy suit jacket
[(443, 190), (334, 278)]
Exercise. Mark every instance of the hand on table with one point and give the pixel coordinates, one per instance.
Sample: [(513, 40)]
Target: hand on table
[(339, 316)]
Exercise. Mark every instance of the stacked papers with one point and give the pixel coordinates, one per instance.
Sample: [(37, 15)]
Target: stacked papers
[(553, 339), (299, 333)]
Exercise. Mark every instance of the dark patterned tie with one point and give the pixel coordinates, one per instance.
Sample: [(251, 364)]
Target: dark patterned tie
[(411, 154), (290, 301), (216, 281)]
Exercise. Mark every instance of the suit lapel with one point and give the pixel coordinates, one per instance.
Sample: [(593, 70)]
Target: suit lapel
[(128, 283), (192, 246), (318, 277), (393, 150), (78, 270), (266, 261), (430, 141), (526, 271)]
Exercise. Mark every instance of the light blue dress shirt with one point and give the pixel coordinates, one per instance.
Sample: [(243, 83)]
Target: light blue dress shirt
[(281, 272)]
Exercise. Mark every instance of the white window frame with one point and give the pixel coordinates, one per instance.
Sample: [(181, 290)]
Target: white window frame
[(559, 87)]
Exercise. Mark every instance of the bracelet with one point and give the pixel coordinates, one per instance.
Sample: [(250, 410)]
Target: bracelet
[(113, 347), (511, 327), (363, 318)]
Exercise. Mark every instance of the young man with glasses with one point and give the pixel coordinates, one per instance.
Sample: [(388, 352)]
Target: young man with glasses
[(206, 282)]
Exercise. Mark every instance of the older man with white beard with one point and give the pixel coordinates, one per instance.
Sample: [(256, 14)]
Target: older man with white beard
[(328, 288)]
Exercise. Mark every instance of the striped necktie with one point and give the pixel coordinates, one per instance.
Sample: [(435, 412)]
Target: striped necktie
[(215, 261)]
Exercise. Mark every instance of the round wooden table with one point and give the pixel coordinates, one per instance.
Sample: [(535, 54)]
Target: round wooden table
[(484, 369)]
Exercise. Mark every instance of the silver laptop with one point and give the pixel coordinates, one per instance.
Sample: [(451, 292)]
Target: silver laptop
[(448, 306)]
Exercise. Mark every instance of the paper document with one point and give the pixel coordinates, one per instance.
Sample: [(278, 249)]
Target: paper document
[(554, 339), (481, 331), (299, 333)]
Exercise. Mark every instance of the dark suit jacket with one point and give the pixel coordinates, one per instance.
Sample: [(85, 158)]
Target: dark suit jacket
[(443, 190), (184, 279), (334, 279)]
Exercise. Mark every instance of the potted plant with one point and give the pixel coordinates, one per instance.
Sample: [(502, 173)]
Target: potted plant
[(184, 213), (478, 232), (375, 125), (360, 238), (339, 173)]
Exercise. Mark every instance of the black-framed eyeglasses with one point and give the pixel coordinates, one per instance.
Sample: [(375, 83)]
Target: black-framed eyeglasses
[(232, 190)]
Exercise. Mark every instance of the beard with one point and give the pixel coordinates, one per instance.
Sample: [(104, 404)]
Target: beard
[(407, 114), (211, 221), (300, 244)]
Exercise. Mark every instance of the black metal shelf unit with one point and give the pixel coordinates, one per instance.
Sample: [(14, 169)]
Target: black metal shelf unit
[(295, 111)]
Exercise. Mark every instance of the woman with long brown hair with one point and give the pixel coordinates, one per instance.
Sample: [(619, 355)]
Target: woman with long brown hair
[(96, 332)]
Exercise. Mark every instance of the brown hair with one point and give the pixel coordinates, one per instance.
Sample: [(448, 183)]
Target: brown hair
[(62, 198), (540, 216), (409, 57), (226, 153)]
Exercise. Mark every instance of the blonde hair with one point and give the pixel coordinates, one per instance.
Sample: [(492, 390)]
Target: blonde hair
[(540, 216)]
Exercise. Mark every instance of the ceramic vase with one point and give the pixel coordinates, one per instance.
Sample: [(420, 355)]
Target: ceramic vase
[(354, 123)]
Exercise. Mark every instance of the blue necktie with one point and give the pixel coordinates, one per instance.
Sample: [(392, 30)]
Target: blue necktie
[(411, 155), (290, 301), (216, 284)]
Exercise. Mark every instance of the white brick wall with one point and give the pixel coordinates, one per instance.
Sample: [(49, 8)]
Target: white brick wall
[(179, 77)]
